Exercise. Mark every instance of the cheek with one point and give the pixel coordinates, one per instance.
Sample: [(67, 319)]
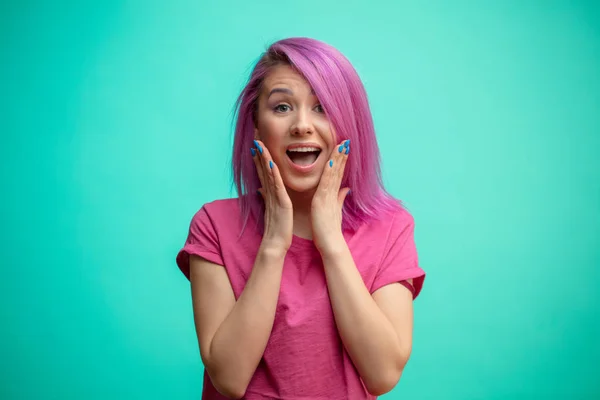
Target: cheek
[(270, 126), (327, 133), (270, 132)]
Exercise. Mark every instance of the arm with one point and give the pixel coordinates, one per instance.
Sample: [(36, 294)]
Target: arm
[(233, 335), (376, 330)]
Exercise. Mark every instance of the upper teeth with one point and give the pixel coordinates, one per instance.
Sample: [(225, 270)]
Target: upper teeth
[(305, 149)]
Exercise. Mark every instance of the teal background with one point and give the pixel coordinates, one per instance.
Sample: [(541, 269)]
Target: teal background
[(116, 127)]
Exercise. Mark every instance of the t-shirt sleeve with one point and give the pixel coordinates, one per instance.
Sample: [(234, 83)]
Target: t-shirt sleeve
[(400, 261), (202, 240)]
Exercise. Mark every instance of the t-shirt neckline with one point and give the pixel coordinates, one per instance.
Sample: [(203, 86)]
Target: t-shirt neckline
[(302, 243)]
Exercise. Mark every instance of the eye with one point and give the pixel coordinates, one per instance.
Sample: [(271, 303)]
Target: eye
[(282, 108), (319, 108)]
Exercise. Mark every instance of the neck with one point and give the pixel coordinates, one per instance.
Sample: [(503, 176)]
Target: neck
[(301, 202)]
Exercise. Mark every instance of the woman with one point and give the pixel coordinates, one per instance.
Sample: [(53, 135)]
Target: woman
[(301, 288)]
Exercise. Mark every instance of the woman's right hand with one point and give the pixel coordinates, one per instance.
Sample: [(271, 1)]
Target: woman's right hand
[(279, 214)]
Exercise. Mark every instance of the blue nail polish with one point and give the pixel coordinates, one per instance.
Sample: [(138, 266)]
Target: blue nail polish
[(349, 190), (258, 192), (348, 150), (260, 150), (341, 148), (331, 163), (253, 152), (271, 164), (347, 143)]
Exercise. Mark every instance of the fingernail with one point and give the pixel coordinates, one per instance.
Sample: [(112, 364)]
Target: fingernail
[(341, 148), (258, 192), (347, 143), (349, 190), (347, 149), (331, 163), (260, 150), (271, 164), (253, 152)]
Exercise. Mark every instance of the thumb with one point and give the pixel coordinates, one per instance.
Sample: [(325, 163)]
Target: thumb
[(342, 195)]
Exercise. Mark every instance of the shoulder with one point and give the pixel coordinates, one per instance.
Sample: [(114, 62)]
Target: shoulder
[(390, 224), (402, 219), (222, 208), (382, 232), (217, 215)]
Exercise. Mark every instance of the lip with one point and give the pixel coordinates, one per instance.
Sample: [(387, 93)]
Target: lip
[(307, 144), (303, 168)]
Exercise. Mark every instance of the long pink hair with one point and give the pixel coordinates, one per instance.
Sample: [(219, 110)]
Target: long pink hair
[(343, 97)]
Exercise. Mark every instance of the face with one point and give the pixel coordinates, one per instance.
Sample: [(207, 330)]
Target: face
[(294, 127)]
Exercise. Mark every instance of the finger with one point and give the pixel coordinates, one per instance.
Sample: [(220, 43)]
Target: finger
[(328, 170), (272, 169), (259, 167), (266, 163), (340, 156), (345, 154), (277, 179)]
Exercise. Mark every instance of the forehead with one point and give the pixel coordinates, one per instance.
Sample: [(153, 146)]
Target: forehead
[(284, 75)]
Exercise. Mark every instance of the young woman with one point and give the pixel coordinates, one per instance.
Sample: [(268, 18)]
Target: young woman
[(302, 287)]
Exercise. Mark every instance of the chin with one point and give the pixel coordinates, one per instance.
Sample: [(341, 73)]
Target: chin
[(302, 184)]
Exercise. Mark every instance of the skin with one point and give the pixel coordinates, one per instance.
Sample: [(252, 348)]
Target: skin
[(376, 329), (289, 118)]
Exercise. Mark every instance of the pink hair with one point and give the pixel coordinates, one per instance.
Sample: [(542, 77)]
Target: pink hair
[(343, 97)]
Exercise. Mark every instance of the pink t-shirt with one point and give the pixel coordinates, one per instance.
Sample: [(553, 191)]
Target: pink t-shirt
[(304, 358)]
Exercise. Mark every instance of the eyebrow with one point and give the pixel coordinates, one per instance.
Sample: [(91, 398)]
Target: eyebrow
[(286, 91)]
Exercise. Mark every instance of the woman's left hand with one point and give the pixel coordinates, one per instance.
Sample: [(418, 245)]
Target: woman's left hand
[(326, 209)]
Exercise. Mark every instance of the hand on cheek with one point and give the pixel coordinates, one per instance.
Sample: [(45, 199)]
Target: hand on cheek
[(326, 208), (278, 206)]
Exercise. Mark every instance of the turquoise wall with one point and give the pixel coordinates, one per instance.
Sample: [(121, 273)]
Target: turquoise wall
[(116, 127)]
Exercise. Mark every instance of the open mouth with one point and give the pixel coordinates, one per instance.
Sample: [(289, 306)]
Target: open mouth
[(303, 156)]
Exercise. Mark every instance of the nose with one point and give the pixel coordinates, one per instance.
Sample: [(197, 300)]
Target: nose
[(302, 124)]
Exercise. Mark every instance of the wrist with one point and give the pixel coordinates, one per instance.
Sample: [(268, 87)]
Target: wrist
[(334, 247), (272, 251)]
